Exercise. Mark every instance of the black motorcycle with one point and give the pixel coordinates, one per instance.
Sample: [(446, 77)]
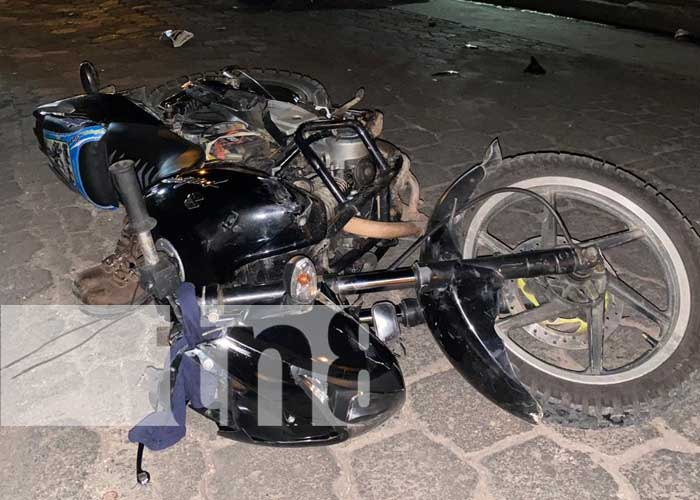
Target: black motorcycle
[(584, 311)]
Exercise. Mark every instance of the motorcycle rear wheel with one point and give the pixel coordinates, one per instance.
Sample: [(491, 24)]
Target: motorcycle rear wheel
[(284, 85), (579, 381)]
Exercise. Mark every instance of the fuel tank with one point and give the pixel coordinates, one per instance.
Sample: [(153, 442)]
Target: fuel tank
[(220, 216)]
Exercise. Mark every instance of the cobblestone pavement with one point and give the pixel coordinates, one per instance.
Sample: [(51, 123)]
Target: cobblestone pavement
[(448, 442)]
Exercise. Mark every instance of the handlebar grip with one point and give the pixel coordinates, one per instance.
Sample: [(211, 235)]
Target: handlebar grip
[(127, 185)]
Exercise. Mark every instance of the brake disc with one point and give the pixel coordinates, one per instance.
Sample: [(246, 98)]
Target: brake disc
[(569, 333)]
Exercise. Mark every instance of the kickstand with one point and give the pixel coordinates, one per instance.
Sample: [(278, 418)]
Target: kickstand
[(142, 476)]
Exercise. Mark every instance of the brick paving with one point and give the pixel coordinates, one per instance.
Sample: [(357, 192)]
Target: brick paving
[(448, 442)]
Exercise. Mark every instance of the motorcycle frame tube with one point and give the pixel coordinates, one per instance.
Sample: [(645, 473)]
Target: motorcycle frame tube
[(242, 295), (304, 144), (373, 281)]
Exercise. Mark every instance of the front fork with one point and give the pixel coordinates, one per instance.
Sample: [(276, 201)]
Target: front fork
[(439, 276), (458, 299)]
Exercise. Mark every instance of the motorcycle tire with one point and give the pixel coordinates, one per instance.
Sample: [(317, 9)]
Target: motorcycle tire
[(283, 85), (575, 400)]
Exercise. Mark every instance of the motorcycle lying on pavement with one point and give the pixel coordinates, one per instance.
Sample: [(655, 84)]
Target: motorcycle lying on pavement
[(531, 273)]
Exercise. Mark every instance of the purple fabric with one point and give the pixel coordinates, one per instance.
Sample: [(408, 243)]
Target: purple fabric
[(162, 429)]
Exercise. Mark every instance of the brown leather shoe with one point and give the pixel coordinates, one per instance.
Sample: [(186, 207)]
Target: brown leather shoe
[(115, 281)]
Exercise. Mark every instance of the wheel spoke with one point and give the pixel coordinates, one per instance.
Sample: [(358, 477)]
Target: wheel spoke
[(550, 310), (614, 239), (630, 296), (650, 340), (642, 329), (493, 243), (596, 330), (549, 224)]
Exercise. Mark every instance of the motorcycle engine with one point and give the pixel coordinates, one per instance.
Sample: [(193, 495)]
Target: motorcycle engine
[(234, 125), (230, 125)]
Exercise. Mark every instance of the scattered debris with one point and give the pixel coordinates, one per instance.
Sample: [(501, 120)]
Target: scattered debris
[(535, 68), (685, 35), (447, 72), (471, 46), (177, 37), (682, 34)]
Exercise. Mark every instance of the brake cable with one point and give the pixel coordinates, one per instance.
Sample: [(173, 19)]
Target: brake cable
[(469, 204)]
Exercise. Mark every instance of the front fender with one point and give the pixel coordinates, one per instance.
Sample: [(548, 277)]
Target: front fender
[(461, 316)]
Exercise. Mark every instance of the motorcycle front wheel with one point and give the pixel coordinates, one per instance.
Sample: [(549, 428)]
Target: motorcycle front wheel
[(609, 352)]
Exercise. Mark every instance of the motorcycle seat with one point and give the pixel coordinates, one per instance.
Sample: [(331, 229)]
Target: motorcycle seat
[(157, 152)]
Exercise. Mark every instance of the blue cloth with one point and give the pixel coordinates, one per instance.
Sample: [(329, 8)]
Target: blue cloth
[(162, 429)]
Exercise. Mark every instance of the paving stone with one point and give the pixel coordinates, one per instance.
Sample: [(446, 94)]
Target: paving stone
[(521, 141), (652, 129), (17, 222), (460, 407), (430, 162), (541, 469), (421, 350), (665, 474), (621, 155), (79, 218), (19, 249), (613, 440), (431, 174), (248, 471), (674, 175), (683, 415), (411, 466), (62, 454), (19, 283), (176, 473), (412, 138)]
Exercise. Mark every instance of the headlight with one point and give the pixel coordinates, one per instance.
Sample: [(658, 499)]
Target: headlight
[(300, 280)]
